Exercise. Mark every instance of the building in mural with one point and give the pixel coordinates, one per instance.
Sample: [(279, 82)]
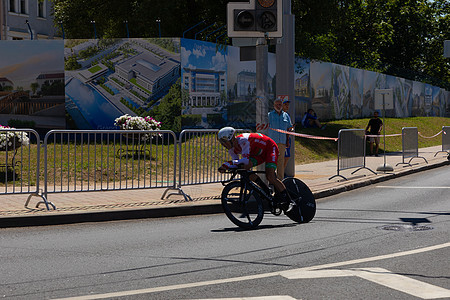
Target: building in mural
[(109, 78), (49, 78), (38, 14), (5, 84), (150, 73), (205, 88), (246, 85), (203, 85)]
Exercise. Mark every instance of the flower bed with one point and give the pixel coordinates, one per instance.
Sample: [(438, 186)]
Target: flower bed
[(11, 140), (127, 122)]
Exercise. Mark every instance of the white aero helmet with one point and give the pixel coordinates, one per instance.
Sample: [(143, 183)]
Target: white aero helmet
[(225, 134)]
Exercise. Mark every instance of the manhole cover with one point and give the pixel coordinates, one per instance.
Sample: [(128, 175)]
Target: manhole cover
[(401, 227)]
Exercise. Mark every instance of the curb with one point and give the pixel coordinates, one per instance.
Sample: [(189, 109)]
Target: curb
[(181, 210)]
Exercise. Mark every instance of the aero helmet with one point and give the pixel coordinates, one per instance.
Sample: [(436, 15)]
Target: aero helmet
[(225, 134)]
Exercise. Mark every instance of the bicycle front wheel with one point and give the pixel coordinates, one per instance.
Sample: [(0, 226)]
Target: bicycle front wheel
[(302, 195), (244, 210)]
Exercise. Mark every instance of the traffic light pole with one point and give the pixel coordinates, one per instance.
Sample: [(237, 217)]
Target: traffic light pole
[(261, 85), (285, 57)]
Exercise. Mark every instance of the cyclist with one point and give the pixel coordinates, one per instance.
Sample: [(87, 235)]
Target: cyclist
[(255, 149)]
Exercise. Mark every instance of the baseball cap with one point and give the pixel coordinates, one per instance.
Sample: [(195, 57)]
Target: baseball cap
[(286, 101)]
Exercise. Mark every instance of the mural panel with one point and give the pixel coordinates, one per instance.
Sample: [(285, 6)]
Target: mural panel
[(112, 77), (32, 84), (302, 86), (418, 99), (372, 81), (320, 77), (204, 84), (356, 92), (340, 80)]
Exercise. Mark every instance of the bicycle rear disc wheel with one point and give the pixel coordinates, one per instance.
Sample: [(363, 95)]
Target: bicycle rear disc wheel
[(246, 213), (302, 195)]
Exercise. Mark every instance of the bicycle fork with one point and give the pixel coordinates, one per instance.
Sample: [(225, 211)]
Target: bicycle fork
[(244, 197)]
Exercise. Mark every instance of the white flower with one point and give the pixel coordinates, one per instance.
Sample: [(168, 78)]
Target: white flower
[(7, 138), (127, 122)]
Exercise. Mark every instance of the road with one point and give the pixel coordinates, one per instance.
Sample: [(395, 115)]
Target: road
[(385, 241)]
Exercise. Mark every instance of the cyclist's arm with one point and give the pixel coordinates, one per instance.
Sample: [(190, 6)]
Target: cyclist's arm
[(245, 146)]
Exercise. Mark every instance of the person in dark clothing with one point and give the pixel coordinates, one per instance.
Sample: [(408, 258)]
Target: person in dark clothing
[(310, 120), (375, 125)]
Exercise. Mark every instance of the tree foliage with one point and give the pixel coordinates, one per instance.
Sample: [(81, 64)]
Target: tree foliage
[(397, 37), (168, 112)]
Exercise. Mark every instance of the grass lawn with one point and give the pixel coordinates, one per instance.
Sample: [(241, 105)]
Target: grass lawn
[(310, 150), (94, 69)]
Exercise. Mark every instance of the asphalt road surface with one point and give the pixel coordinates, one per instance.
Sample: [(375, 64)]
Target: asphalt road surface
[(385, 241)]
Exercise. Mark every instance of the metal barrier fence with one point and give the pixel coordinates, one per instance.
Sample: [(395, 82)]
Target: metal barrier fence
[(199, 156), (351, 151), (20, 163), (410, 145), (445, 141), (89, 160)]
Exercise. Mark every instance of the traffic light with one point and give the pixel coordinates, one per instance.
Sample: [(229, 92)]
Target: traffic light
[(256, 18), (266, 15)]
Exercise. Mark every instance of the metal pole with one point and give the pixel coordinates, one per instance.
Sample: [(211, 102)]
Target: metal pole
[(126, 26), (62, 29), (262, 119), (203, 30), (261, 86), (159, 26), (29, 27), (193, 27), (285, 56), (217, 38), (385, 167), (384, 131), (206, 38), (95, 30)]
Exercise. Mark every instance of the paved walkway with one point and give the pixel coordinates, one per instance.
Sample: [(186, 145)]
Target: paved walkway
[(126, 204)]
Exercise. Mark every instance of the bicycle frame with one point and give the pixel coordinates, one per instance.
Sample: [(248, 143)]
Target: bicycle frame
[(245, 180)]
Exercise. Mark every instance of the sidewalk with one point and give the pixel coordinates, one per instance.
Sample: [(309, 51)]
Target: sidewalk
[(146, 203)]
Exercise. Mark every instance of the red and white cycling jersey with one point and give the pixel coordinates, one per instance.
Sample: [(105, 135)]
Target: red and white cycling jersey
[(255, 148)]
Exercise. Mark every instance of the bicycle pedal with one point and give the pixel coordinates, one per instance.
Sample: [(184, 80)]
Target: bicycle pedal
[(276, 211)]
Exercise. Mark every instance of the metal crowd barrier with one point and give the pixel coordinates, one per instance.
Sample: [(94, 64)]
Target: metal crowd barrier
[(445, 141), (351, 151), (410, 145), (199, 156), (104, 160), (20, 163)]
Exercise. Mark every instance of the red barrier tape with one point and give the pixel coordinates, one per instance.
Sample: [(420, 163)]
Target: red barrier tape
[(430, 137), (305, 135), (335, 139), (374, 135)]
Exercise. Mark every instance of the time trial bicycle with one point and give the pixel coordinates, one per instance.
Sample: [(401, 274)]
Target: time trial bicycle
[(242, 200)]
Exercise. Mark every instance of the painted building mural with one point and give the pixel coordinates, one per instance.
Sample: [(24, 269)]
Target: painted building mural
[(32, 84), (86, 84), (106, 79)]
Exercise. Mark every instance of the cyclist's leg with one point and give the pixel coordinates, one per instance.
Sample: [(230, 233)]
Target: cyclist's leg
[(271, 159), (281, 194), (254, 161)]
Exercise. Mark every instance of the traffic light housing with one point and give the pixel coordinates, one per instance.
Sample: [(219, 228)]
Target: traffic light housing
[(256, 18)]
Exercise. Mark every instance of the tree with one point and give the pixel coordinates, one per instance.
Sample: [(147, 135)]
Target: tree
[(34, 86), (398, 37), (168, 112)]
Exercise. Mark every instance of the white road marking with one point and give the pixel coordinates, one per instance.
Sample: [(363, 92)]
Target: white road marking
[(254, 298), (412, 187), (383, 277), (404, 284), (286, 274)]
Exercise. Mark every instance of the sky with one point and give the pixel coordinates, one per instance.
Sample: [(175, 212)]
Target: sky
[(22, 61)]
